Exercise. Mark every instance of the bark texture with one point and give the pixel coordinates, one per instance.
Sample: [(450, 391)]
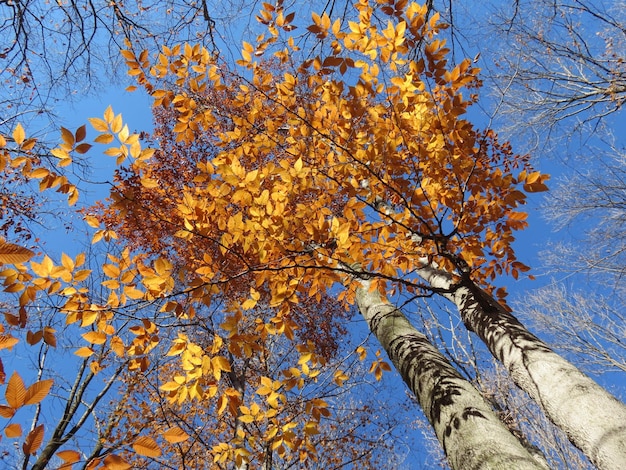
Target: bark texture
[(469, 431), (593, 419)]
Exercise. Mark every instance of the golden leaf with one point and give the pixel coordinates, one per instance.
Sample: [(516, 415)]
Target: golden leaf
[(99, 124), (37, 391), (115, 462), (147, 447), (14, 254), (18, 134), (95, 337), (84, 352), (175, 435), (15, 392), (8, 341)]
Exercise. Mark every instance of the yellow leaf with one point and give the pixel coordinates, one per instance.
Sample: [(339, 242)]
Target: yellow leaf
[(133, 293), (111, 270), (104, 139), (13, 430), (298, 165), (89, 317), (169, 386), (18, 134), (116, 124), (60, 154), (108, 114), (246, 418), (95, 337), (39, 173), (117, 346), (92, 221), (246, 52), (84, 352), (147, 447), (38, 391), (99, 124)]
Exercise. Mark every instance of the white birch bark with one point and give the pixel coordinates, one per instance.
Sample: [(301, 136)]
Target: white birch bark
[(593, 419), (470, 433)]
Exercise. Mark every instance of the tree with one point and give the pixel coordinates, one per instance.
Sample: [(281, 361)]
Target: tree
[(120, 337), (177, 163), (436, 213), (561, 66), (347, 175)]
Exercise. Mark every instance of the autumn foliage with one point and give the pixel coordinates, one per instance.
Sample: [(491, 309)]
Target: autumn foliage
[(243, 219)]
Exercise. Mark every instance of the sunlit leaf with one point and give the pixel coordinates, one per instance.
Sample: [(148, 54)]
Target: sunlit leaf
[(37, 391), (15, 392), (147, 447), (13, 430)]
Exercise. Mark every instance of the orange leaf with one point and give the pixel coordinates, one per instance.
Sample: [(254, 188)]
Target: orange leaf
[(38, 391), (68, 456), (33, 440), (115, 462), (15, 392), (13, 254), (6, 411), (147, 447), (175, 435), (13, 430), (8, 341)]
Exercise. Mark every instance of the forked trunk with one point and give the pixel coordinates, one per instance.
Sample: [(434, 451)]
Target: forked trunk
[(593, 419), (469, 431)]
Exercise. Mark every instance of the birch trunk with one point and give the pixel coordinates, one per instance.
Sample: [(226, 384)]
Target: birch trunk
[(593, 419), (471, 434)]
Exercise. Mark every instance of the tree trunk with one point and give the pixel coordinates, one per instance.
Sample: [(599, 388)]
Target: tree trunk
[(469, 431), (593, 419)]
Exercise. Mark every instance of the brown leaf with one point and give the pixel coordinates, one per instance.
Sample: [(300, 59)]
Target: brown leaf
[(33, 440)]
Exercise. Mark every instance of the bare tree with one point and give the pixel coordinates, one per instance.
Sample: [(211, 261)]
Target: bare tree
[(560, 66)]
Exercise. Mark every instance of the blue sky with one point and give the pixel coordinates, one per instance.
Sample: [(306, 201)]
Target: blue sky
[(135, 108)]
